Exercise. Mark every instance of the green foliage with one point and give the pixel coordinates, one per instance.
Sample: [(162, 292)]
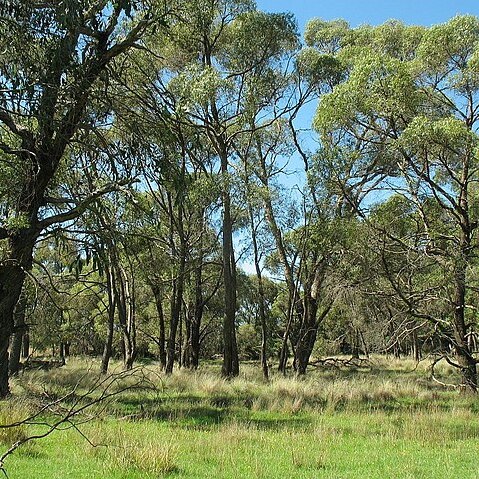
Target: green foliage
[(452, 47), (326, 37)]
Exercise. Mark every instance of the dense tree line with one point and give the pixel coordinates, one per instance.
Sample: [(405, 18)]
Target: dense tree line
[(146, 149)]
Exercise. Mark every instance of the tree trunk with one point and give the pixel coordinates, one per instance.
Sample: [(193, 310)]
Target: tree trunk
[(195, 321), (161, 325), (288, 272), (12, 277), (416, 348), (309, 328), (465, 357), (26, 345), (17, 339), (108, 347), (304, 348), (126, 316), (262, 302), (186, 355), (176, 306), (62, 353), (230, 366), (355, 343)]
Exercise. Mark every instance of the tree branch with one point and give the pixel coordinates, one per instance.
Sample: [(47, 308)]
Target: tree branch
[(81, 207)]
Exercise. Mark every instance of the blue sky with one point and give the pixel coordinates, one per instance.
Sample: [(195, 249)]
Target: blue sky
[(374, 12), (358, 12)]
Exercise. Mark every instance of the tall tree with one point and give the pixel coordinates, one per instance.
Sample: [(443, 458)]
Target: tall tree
[(226, 58), (53, 56), (407, 110)]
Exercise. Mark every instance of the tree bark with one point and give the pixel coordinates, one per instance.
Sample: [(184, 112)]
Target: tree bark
[(161, 341), (12, 277), (108, 347), (288, 271), (178, 282), (465, 357), (17, 339), (230, 366), (26, 345), (261, 294)]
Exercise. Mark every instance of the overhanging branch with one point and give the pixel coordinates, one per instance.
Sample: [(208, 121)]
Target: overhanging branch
[(81, 207)]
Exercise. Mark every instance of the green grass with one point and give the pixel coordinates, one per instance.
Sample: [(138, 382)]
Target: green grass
[(385, 421)]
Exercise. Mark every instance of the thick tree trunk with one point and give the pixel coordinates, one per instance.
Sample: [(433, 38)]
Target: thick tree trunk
[(465, 357), (304, 348), (230, 366), (12, 277), (310, 325), (355, 343), (307, 334)]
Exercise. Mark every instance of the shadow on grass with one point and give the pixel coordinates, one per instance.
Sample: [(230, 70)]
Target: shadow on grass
[(276, 424), (196, 412)]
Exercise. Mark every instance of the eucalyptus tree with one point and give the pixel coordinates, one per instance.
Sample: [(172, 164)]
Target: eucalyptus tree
[(404, 118), (54, 55), (221, 69)]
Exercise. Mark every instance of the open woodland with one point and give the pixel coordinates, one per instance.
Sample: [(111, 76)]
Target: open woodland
[(232, 249)]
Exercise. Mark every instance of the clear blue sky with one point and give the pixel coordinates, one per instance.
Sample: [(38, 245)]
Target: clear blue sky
[(374, 12), (358, 12)]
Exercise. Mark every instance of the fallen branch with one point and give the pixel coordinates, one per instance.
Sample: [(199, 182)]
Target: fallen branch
[(70, 408)]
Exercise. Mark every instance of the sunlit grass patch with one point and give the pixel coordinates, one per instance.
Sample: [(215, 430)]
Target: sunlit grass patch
[(13, 411)]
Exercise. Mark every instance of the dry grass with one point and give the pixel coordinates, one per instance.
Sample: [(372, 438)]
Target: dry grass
[(13, 411), (122, 448), (150, 458), (383, 382)]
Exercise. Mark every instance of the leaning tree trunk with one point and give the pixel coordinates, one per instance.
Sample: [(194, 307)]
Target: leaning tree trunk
[(178, 287), (288, 271), (310, 325), (262, 302), (307, 335)]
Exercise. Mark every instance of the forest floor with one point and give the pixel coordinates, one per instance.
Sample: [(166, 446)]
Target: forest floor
[(383, 419)]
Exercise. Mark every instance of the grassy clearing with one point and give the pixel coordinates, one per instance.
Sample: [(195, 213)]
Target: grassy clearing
[(384, 421)]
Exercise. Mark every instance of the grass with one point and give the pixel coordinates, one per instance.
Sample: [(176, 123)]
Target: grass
[(384, 421)]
